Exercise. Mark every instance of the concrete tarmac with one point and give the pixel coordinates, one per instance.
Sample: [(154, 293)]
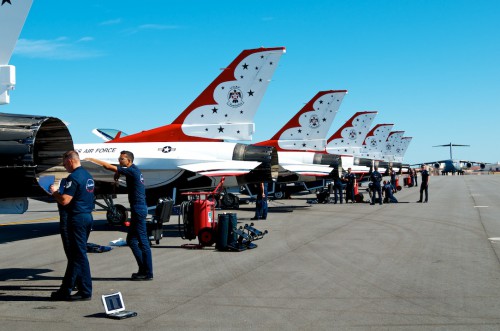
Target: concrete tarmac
[(406, 266)]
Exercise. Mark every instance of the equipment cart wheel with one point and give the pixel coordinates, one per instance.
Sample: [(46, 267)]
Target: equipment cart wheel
[(279, 195), (359, 198), (117, 215), (206, 237)]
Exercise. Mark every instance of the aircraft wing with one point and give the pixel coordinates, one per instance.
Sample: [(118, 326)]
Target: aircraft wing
[(469, 163), (221, 168), (98, 172)]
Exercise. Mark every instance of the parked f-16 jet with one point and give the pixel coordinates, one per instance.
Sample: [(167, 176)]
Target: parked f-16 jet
[(188, 153), (191, 152)]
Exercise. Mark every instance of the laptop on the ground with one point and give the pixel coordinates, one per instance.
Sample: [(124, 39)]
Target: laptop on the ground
[(114, 306)]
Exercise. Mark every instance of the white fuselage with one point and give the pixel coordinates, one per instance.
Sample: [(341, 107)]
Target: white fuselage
[(302, 163), (162, 163)]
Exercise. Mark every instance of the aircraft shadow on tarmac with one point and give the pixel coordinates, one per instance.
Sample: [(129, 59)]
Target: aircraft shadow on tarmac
[(172, 229)]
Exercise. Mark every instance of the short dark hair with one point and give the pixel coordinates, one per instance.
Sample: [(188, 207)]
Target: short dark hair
[(129, 154), (71, 155)]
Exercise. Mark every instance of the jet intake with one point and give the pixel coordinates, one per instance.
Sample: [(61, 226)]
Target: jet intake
[(30, 147), (436, 165), (468, 164), (267, 171)]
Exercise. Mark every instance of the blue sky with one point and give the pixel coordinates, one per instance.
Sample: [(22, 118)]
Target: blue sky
[(430, 67)]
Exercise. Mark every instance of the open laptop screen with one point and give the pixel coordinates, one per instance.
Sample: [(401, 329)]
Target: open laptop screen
[(113, 303)]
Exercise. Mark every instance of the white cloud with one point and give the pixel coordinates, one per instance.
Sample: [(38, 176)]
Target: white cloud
[(112, 22), (157, 27), (85, 39), (150, 27), (58, 49)]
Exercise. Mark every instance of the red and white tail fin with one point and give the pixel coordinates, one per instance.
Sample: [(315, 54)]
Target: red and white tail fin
[(391, 145), (226, 108), (348, 140), (12, 17), (375, 140), (307, 130), (401, 150)]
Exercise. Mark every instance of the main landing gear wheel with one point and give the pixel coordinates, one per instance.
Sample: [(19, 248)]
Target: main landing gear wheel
[(279, 195), (117, 215), (206, 237)]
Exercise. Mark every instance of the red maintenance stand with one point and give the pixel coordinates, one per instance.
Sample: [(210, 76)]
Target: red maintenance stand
[(198, 215)]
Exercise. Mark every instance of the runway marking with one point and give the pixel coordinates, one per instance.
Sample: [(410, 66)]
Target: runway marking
[(480, 206), (41, 220)]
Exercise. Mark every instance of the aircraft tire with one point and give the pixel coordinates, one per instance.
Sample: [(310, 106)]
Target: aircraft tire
[(117, 215)]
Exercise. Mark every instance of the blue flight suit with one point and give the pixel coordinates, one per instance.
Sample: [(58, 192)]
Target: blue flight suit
[(336, 186), (376, 179), (79, 185), (137, 237), (389, 197), (424, 185), (350, 179), (261, 203), (393, 179)]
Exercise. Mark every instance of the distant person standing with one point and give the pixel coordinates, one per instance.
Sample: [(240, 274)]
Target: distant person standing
[(350, 180), (424, 186), (77, 202), (336, 186), (415, 177), (137, 237), (376, 179), (410, 179), (261, 202), (393, 179)]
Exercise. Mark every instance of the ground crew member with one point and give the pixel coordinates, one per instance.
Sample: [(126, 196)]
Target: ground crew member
[(424, 186), (137, 237), (388, 195), (336, 186), (376, 179), (78, 199), (350, 180), (393, 179), (261, 203)]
